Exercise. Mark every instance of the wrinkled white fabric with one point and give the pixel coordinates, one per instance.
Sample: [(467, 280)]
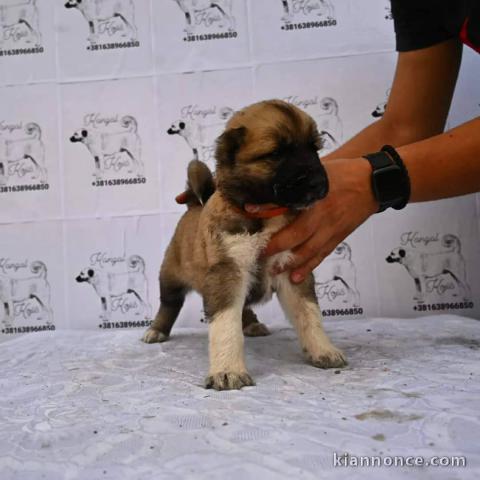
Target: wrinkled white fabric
[(98, 405)]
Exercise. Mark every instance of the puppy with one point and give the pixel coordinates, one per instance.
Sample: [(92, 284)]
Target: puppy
[(267, 154), (113, 150), (100, 11), (110, 287), (424, 267)]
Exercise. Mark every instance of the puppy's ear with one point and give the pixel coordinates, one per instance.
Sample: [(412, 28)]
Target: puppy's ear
[(228, 144)]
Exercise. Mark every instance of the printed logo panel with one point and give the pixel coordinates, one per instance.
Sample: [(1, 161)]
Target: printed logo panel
[(109, 148), (200, 34), (121, 286), (104, 38), (437, 269), (27, 41), (25, 295), (115, 148), (194, 111), (337, 284), (208, 20), (22, 157), (301, 14), (111, 23), (426, 258), (199, 128), (29, 173), (301, 29), (112, 271), (20, 31), (31, 278)]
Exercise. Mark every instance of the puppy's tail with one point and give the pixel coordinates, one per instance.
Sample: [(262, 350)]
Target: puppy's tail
[(129, 123), (33, 130), (136, 264), (451, 243), (39, 269), (200, 183)]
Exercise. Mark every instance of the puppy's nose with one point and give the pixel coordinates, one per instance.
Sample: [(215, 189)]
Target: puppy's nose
[(318, 185)]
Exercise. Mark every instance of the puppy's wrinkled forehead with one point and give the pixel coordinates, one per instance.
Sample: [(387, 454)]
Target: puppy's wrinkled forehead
[(273, 124)]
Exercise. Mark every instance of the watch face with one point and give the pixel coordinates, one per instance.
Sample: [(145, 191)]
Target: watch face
[(387, 184)]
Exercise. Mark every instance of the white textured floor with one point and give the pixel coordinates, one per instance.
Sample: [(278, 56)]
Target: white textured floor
[(103, 405)]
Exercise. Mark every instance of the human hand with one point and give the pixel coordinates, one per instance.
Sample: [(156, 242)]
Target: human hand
[(316, 232), (182, 198)]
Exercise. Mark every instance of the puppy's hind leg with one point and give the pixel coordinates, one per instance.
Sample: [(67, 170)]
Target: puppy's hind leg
[(172, 297), (300, 305), (251, 326)]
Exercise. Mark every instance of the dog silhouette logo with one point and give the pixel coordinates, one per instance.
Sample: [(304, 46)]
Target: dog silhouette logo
[(108, 20), (381, 107), (22, 155), (200, 129), (114, 144), (435, 272), (325, 112), (388, 12), (19, 24), (207, 14), (123, 291), (329, 124), (322, 10), (27, 296), (338, 279)]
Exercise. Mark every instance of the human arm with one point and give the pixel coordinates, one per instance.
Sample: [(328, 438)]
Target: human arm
[(417, 109)]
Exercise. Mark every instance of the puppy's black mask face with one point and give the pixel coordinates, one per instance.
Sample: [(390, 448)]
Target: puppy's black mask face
[(271, 157), (396, 256)]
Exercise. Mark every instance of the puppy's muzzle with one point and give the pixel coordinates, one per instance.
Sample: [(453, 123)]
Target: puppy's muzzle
[(301, 182), (391, 259)]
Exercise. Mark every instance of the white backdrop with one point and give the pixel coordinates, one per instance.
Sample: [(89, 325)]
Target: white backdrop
[(91, 157)]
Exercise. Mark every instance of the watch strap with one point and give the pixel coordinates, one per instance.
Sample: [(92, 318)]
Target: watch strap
[(405, 177), (386, 159)]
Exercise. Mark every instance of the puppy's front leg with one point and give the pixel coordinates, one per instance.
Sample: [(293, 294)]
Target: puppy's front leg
[(224, 297), (299, 303)]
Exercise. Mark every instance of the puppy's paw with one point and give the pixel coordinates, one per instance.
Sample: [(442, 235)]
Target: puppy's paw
[(256, 330), (154, 336), (229, 381), (332, 358)]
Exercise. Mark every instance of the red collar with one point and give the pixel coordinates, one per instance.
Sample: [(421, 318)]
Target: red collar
[(274, 212), (465, 38)]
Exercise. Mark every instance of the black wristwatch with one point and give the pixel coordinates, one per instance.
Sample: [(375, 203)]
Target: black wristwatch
[(390, 181)]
